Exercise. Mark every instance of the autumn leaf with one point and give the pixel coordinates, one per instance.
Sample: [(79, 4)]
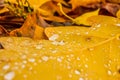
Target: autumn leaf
[(40, 50), (3, 10), (81, 19), (111, 8), (114, 1), (66, 46), (33, 3), (118, 14), (30, 29), (77, 3), (3, 31)]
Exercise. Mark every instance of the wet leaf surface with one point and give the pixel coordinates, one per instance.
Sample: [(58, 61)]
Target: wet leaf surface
[(60, 40)]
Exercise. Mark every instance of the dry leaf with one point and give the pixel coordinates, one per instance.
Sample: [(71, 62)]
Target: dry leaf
[(3, 31), (113, 1), (77, 3), (1, 47), (111, 8), (29, 29)]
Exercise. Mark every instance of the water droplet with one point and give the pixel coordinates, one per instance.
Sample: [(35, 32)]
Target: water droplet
[(70, 75), (109, 72), (54, 51), (77, 72), (23, 66), (78, 34), (24, 61), (6, 67), (54, 37), (38, 46), (9, 76), (81, 78), (86, 66), (59, 59), (90, 49), (45, 58), (117, 24), (78, 58), (86, 32), (31, 60), (23, 57)]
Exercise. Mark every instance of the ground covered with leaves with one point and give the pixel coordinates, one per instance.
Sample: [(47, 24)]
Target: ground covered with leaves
[(59, 39)]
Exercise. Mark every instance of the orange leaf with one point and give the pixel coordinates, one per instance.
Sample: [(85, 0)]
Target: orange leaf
[(29, 29)]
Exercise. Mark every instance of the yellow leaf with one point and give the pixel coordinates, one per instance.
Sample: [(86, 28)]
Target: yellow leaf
[(104, 25), (34, 3), (118, 14), (26, 57), (69, 53), (3, 10), (83, 18)]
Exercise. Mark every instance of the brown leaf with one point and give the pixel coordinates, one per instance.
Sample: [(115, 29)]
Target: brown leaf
[(77, 3), (113, 1), (1, 3), (1, 47), (3, 31), (40, 21), (111, 8)]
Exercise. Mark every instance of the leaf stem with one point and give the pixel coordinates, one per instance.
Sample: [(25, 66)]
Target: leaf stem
[(61, 9)]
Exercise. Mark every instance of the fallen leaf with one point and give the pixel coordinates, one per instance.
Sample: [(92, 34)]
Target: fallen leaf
[(35, 4), (3, 31), (29, 29), (1, 47), (77, 3), (64, 54), (104, 25), (52, 8), (118, 14), (111, 8), (113, 1), (83, 18), (3, 10)]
